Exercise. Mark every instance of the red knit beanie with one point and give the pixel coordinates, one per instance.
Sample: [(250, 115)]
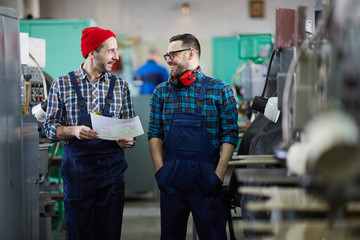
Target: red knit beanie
[(92, 37)]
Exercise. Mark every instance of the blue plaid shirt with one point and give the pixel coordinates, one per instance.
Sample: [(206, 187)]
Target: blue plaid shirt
[(63, 108), (219, 110)]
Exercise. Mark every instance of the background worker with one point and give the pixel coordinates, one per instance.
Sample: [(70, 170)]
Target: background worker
[(92, 169), (152, 73), (191, 117)]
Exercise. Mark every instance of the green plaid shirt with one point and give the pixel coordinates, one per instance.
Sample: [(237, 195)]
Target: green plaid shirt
[(219, 110)]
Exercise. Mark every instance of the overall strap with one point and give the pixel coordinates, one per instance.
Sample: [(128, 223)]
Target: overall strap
[(175, 98), (109, 97), (81, 100), (200, 101)]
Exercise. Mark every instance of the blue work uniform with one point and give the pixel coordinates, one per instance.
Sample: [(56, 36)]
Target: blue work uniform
[(92, 172), (187, 180), (152, 74)]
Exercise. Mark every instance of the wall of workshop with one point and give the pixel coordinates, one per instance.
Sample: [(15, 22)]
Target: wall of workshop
[(154, 21)]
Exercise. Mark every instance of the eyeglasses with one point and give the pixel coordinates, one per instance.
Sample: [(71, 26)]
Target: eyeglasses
[(172, 54)]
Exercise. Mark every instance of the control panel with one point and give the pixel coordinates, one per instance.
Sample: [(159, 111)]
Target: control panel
[(35, 91)]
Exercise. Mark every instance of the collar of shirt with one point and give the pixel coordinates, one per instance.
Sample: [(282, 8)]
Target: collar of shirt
[(84, 75), (199, 73)]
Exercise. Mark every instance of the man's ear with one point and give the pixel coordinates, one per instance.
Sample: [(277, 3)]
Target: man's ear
[(192, 54), (92, 54)]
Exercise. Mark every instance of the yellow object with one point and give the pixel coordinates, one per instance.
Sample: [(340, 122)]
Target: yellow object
[(25, 108), (98, 113)]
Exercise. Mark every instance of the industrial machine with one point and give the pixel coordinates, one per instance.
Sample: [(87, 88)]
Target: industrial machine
[(36, 154), (13, 200), (317, 90), (26, 208), (34, 95), (321, 104), (251, 76)]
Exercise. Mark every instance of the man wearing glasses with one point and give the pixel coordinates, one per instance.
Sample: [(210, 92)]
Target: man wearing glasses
[(192, 116)]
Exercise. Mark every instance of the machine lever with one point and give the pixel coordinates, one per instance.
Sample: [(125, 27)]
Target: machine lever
[(42, 179)]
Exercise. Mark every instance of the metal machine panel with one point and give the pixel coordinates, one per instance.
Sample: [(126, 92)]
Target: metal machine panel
[(304, 91), (139, 177), (12, 221), (254, 80), (285, 28), (301, 28), (31, 173), (285, 56)]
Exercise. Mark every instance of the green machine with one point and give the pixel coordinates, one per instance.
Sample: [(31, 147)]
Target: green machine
[(225, 57), (235, 55), (231, 52), (63, 37)]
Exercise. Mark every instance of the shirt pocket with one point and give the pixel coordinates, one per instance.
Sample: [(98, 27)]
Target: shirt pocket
[(72, 113), (116, 106)]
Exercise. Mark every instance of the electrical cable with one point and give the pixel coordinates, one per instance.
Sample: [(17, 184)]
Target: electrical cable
[(268, 72)]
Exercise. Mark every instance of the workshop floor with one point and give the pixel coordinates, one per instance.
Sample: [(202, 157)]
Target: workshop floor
[(142, 221)]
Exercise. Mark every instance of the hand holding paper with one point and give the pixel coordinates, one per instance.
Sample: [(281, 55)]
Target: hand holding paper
[(113, 128)]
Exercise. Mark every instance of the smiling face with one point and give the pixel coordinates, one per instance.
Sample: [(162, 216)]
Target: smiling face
[(179, 63), (106, 56)]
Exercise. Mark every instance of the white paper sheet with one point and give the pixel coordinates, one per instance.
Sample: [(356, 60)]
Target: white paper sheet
[(113, 128)]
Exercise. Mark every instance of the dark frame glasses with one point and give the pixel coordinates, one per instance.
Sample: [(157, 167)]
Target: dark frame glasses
[(171, 55)]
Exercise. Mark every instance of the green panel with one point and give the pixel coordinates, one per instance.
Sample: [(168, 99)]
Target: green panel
[(63, 36), (225, 57), (250, 44)]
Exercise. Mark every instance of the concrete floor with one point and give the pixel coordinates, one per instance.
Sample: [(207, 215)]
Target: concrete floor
[(141, 221)]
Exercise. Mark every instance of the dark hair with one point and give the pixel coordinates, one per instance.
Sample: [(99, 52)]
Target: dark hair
[(99, 47), (188, 40)]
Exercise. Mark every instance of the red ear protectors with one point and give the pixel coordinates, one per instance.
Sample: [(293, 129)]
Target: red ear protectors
[(186, 78)]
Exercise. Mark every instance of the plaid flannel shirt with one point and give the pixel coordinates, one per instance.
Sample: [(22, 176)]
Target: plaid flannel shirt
[(219, 109), (63, 108)]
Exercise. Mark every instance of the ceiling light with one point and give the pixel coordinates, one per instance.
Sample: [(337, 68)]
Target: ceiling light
[(185, 8)]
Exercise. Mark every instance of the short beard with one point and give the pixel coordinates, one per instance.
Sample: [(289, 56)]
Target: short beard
[(180, 71), (103, 68)]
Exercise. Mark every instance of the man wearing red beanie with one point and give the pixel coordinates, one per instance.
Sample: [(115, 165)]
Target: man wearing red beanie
[(92, 168)]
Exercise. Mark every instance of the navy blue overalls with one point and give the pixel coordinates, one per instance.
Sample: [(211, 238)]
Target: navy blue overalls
[(92, 172), (187, 179)]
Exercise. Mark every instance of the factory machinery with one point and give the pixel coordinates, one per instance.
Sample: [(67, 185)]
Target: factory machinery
[(309, 120), (320, 106), (26, 206), (321, 117)]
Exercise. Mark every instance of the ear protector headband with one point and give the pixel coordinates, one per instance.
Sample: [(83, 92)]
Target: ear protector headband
[(186, 78)]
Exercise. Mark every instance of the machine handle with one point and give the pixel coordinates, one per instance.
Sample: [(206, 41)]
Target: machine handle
[(42, 179)]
